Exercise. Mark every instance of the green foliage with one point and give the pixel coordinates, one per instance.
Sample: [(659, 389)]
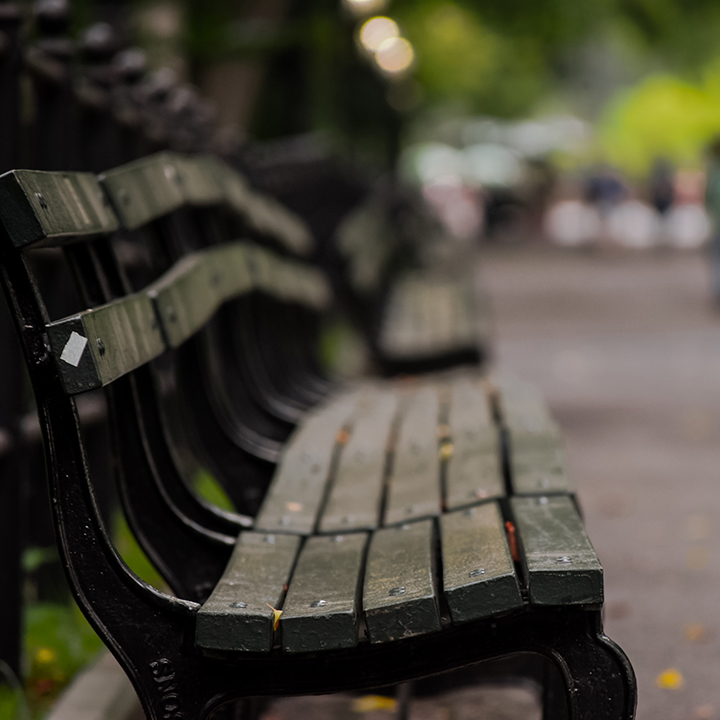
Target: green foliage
[(663, 116), (463, 60), (59, 642), (208, 487), (133, 555)]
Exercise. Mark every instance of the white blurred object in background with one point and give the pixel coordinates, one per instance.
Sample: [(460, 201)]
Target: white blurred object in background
[(459, 207), (687, 226), (634, 224), (572, 223)]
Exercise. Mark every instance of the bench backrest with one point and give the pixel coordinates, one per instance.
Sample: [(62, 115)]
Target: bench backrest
[(113, 343)]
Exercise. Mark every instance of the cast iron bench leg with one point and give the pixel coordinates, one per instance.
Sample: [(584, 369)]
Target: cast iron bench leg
[(595, 677)]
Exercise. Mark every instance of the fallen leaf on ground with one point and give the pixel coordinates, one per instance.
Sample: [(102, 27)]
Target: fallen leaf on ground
[(368, 703), (694, 632), (670, 679)]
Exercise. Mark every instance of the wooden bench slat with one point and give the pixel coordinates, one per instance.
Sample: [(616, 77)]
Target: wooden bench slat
[(97, 346), (474, 470), (538, 470), (296, 493), (399, 595), (559, 562), (356, 493), (321, 608), (537, 459), (232, 275), (188, 295), (478, 573), (237, 616), (199, 180), (185, 298), (414, 488), (144, 190), (295, 282), (262, 213), (427, 316), (46, 208)]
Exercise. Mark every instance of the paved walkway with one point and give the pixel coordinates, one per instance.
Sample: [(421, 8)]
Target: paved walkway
[(627, 350)]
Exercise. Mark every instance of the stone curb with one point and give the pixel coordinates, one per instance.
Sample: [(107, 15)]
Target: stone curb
[(101, 692)]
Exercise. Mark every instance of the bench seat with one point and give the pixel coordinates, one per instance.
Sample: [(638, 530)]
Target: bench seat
[(389, 517), (428, 319)]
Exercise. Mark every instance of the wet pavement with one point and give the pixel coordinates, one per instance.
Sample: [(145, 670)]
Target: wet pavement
[(627, 350)]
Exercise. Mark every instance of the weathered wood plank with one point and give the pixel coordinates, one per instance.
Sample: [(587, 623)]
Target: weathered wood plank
[(144, 190), (199, 180), (540, 471), (237, 616), (427, 316), (537, 460), (296, 493), (262, 213), (185, 298), (97, 346), (399, 595), (474, 470), (47, 208), (356, 493), (414, 488), (321, 608), (559, 562), (188, 294), (478, 573)]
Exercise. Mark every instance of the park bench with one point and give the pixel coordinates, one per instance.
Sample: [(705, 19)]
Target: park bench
[(396, 269), (422, 318), (409, 528)]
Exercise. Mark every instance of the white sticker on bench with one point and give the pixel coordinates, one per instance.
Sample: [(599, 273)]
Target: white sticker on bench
[(74, 348)]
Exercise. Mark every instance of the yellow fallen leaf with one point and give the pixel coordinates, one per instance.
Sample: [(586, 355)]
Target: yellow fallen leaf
[(45, 656), (670, 679), (446, 451), (276, 616), (694, 632), (368, 703)]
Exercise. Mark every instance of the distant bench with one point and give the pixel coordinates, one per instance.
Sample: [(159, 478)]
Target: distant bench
[(408, 528)]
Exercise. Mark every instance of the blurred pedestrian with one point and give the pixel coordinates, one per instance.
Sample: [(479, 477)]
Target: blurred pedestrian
[(662, 185)]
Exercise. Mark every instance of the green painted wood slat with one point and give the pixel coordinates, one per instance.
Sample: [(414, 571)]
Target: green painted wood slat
[(399, 595), (50, 208), (262, 213), (478, 573), (414, 486), (559, 562), (356, 493), (537, 459), (237, 616), (144, 190), (189, 294), (97, 346), (322, 605), (295, 496), (474, 470)]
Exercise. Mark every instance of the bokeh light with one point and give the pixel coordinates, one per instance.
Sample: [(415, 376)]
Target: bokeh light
[(377, 30), (364, 7), (395, 55)]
